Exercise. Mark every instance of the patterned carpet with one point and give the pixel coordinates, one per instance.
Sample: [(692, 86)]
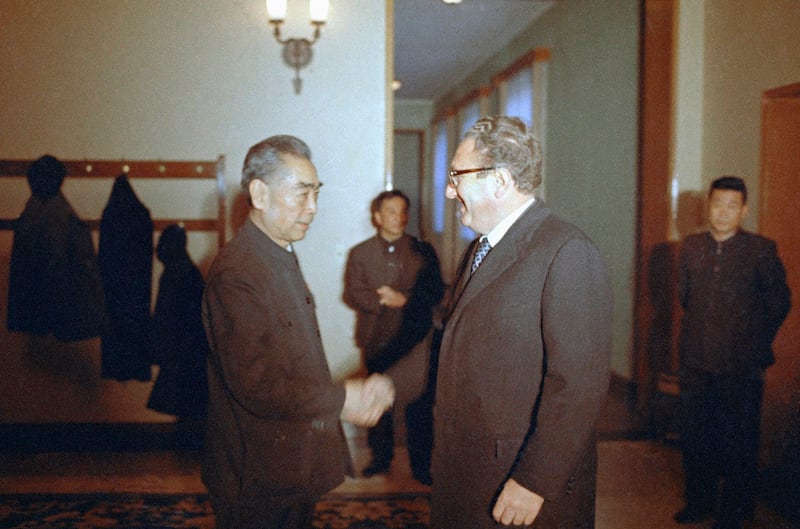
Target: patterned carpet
[(192, 511)]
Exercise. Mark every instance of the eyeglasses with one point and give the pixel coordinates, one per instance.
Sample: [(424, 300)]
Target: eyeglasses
[(452, 174)]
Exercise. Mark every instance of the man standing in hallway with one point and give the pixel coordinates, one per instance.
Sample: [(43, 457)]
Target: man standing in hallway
[(274, 444), (732, 287), (523, 366), (393, 282)]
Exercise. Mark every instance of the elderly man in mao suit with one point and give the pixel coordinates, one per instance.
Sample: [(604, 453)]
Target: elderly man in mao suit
[(274, 444), (523, 364)]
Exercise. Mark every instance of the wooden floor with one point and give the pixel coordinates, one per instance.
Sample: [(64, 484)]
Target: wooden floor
[(639, 480)]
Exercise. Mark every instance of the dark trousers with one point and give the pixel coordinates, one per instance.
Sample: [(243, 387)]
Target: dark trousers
[(290, 511), (419, 436), (719, 439), (381, 440)]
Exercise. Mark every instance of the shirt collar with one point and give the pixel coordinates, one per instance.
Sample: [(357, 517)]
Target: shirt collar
[(497, 233)]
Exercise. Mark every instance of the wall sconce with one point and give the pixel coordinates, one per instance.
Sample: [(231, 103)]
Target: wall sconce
[(297, 52)]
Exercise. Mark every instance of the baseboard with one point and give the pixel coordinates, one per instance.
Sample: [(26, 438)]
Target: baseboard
[(98, 437)]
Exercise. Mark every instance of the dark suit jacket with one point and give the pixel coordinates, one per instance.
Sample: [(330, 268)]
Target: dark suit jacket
[(54, 284), (273, 417), (735, 297), (179, 341), (522, 375)]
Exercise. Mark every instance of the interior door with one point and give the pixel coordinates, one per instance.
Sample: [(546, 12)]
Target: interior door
[(779, 197), (408, 170)]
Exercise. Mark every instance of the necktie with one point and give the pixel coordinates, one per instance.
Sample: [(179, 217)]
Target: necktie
[(480, 253)]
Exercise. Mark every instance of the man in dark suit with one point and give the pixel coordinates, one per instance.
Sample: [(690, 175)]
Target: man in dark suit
[(393, 282), (732, 287), (523, 366), (274, 443)]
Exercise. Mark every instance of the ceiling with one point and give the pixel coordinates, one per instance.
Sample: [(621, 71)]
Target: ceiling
[(437, 44)]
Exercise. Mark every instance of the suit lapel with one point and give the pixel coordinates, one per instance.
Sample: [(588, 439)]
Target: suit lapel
[(462, 275), (498, 260)]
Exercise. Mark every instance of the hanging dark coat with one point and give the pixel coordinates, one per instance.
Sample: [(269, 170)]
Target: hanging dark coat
[(125, 256), (54, 282), (179, 339)]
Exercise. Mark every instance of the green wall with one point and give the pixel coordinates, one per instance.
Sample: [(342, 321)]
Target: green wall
[(591, 143)]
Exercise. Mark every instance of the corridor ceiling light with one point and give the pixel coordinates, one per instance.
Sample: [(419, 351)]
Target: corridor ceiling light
[(297, 52)]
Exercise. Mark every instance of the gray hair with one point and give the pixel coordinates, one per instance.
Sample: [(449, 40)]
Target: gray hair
[(506, 142), (265, 162)]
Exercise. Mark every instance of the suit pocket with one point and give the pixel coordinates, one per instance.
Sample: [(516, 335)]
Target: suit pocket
[(505, 451)]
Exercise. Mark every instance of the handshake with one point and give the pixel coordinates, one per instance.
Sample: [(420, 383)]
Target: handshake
[(366, 400)]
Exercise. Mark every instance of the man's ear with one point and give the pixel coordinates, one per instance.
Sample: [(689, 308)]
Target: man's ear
[(259, 194), (503, 181)]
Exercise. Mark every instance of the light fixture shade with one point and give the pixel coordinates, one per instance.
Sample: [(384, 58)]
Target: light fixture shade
[(318, 10), (276, 10)]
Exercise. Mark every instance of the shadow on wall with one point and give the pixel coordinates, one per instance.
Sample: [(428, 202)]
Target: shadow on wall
[(665, 324)]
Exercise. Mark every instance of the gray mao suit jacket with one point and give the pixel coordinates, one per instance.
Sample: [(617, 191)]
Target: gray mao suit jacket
[(273, 419)]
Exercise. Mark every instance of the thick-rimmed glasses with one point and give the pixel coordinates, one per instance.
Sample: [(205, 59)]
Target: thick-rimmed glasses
[(453, 174)]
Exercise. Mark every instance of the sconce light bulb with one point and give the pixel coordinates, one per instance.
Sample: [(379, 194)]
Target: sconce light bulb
[(318, 10), (276, 10)]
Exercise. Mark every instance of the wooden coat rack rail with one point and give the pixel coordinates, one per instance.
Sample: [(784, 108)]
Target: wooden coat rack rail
[(203, 170)]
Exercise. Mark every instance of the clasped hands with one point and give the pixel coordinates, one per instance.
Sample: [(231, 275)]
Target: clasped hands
[(389, 297), (366, 400)]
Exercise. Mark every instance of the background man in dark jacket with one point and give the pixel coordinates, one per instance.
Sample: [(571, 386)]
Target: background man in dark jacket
[(393, 282), (274, 443), (732, 287)]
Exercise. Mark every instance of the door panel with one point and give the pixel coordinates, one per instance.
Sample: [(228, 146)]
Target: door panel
[(780, 196)]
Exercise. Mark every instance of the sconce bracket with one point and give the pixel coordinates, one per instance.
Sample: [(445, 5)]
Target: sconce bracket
[(297, 53)]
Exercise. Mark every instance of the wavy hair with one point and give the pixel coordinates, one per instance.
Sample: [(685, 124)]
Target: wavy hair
[(506, 142)]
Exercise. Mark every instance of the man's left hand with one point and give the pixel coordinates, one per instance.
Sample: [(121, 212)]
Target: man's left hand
[(517, 505), (390, 297)]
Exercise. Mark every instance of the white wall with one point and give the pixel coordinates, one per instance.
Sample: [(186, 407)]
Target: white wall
[(751, 46), (193, 79)]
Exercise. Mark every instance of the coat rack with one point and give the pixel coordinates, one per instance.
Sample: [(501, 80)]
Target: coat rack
[(198, 170)]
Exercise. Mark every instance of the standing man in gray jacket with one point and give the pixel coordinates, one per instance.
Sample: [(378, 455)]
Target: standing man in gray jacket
[(393, 282)]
